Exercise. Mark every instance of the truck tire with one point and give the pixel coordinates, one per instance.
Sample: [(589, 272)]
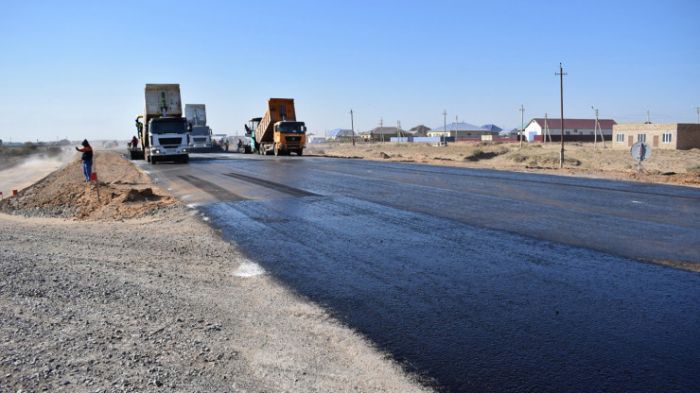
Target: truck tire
[(300, 152)]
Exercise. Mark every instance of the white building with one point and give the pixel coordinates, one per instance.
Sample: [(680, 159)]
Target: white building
[(575, 129), (463, 130)]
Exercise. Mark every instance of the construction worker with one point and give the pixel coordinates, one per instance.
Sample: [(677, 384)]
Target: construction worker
[(134, 143), (86, 158)]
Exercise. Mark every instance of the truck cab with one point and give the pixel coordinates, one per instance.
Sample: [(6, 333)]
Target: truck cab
[(289, 136), (168, 139), (201, 138)]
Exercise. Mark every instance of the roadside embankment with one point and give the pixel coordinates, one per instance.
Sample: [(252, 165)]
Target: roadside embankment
[(665, 166), (121, 192), (157, 302)]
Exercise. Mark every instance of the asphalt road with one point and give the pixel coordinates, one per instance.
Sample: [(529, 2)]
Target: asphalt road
[(477, 280)]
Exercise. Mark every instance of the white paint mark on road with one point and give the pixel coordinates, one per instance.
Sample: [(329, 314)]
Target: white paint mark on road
[(637, 202), (249, 269)]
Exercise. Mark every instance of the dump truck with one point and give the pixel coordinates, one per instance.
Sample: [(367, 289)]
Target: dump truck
[(278, 131), (196, 115), (164, 135)]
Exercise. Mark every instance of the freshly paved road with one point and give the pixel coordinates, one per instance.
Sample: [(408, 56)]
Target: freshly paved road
[(478, 280)]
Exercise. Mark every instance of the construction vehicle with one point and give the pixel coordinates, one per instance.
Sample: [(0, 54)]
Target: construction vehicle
[(164, 135), (196, 115), (248, 141), (220, 143), (278, 132)]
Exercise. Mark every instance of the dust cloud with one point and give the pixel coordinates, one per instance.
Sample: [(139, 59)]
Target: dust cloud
[(22, 173)]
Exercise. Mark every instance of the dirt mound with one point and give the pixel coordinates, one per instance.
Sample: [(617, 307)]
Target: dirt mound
[(122, 192)]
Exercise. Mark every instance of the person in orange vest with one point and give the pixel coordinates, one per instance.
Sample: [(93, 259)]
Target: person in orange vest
[(86, 158)]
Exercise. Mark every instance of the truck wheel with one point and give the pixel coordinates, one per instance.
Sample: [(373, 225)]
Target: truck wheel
[(300, 152), (148, 159), (185, 160)]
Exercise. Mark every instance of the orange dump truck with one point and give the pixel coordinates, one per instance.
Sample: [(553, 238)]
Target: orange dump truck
[(279, 132)]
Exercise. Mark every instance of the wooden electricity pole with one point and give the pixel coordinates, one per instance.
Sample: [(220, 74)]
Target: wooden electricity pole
[(522, 124), (444, 119), (352, 126), (561, 102)]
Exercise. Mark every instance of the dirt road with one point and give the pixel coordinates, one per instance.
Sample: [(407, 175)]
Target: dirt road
[(161, 303)]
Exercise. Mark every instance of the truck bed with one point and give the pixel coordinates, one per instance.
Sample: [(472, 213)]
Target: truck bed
[(278, 109)]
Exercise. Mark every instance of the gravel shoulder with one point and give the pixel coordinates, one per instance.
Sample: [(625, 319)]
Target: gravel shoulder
[(161, 303)]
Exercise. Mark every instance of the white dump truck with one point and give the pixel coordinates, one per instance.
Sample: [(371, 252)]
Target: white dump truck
[(196, 115), (164, 135)]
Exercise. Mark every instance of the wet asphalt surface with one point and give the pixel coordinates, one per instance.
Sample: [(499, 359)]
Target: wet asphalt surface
[(476, 280)]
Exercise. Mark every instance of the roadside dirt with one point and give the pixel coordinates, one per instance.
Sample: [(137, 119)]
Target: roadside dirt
[(122, 192), (157, 303), (21, 171), (665, 166)]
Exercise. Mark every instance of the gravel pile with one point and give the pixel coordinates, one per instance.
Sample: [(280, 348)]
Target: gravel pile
[(122, 192)]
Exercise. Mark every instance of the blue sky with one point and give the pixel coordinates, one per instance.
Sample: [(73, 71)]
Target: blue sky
[(77, 69)]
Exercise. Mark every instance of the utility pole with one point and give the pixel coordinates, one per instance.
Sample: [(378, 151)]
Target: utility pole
[(546, 130), (597, 128), (698, 111), (398, 129), (648, 117), (381, 128), (352, 126), (561, 74), (444, 119), (522, 123)]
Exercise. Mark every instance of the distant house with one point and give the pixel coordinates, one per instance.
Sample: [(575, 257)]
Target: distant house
[(492, 128), (383, 134), (673, 136), (463, 130), (339, 134), (574, 129), (420, 130)]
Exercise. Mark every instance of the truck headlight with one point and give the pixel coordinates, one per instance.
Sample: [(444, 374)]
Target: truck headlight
[(184, 150)]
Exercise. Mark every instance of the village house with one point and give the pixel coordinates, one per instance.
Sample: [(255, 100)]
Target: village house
[(672, 136), (574, 129)]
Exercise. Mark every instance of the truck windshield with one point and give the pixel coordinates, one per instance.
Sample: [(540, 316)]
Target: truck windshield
[(292, 126), (200, 130), (169, 126)]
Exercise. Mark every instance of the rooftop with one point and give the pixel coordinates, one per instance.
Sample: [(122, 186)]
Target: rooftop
[(574, 123)]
